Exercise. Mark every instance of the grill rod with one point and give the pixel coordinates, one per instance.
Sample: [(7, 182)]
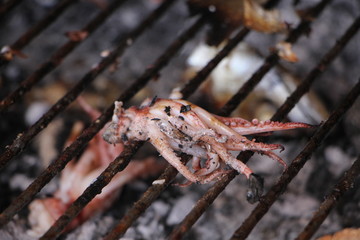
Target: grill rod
[(57, 58), (24, 138), (272, 59), (201, 76), (203, 203), (321, 66), (28, 36), (139, 207), (55, 167), (153, 192), (279, 115), (143, 203), (8, 6), (327, 205), (271, 196), (314, 73), (123, 159)]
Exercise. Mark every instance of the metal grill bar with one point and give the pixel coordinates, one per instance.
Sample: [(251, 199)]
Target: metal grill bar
[(205, 201), (327, 205), (201, 76), (54, 168), (272, 59), (57, 58), (28, 36), (313, 74), (154, 191), (6, 7), (139, 207), (23, 139), (261, 209), (90, 192), (123, 159), (170, 172)]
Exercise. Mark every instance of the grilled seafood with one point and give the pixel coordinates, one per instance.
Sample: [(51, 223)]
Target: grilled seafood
[(174, 125)]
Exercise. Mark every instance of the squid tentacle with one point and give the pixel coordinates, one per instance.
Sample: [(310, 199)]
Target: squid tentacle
[(227, 157), (244, 144), (245, 127), (164, 148), (274, 156)]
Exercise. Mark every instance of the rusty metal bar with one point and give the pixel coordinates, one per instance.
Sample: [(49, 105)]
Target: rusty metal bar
[(57, 58), (201, 76), (121, 162), (23, 139), (205, 201), (28, 36), (54, 168), (165, 58), (153, 192), (200, 206), (272, 59), (95, 188), (139, 207), (321, 66), (327, 205), (266, 202), (6, 7)]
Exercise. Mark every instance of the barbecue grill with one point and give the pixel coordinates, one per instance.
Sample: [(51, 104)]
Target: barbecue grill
[(139, 48)]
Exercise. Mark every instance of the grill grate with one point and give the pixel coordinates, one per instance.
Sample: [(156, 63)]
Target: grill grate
[(295, 166), (28, 36), (341, 187), (283, 110), (59, 55), (84, 138), (119, 164)]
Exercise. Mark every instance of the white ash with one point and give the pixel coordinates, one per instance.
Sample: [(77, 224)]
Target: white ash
[(14, 230), (338, 160), (152, 229), (35, 111), (20, 181), (94, 229), (208, 230), (150, 225), (292, 206), (161, 208), (179, 210)]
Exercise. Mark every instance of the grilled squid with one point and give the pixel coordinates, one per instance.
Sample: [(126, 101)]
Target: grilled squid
[(175, 125)]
